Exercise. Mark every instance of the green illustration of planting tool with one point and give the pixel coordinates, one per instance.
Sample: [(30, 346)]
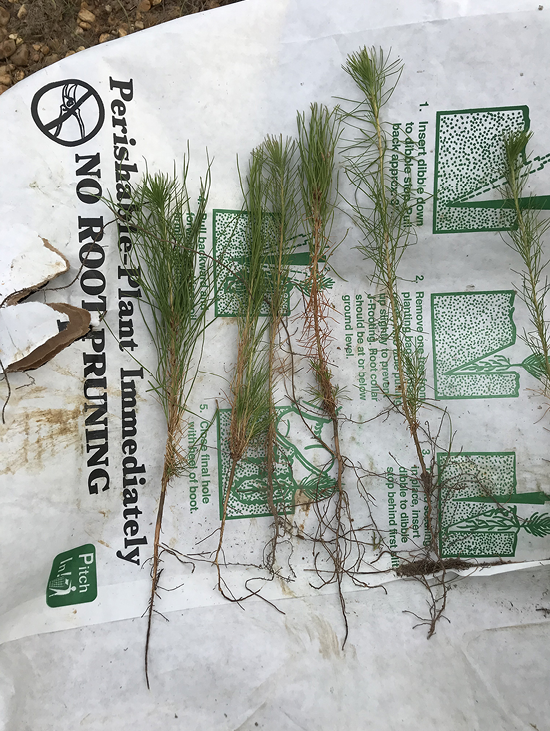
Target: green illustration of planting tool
[(229, 237), (307, 469), (470, 483), (468, 331), (469, 160)]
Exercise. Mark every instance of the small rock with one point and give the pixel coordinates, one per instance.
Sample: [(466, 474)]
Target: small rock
[(104, 37), (22, 12), (18, 41), (5, 80), (139, 25), (86, 16), (21, 56), (45, 49), (36, 46), (79, 31), (108, 8), (213, 4), (156, 2), (35, 56), (122, 32), (144, 6), (69, 53), (4, 16), (7, 48), (3, 88), (12, 36), (81, 48), (19, 75), (83, 25), (52, 58)]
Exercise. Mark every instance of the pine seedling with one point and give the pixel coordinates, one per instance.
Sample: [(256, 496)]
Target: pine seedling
[(249, 390), (280, 181), (380, 210), (381, 216), (526, 239), (164, 261), (317, 142)]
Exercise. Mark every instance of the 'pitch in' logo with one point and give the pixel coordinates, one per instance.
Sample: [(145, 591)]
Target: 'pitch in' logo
[(73, 578)]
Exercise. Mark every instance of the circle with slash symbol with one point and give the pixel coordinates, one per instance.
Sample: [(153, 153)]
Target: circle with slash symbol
[(69, 112)]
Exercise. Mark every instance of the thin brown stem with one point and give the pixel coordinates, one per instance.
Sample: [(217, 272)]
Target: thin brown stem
[(155, 574), (171, 457), (389, 276), (315, 308)]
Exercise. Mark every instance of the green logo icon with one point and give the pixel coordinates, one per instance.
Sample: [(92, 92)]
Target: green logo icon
[(307, 469), (478, 506), (229, 245), (73, 578)]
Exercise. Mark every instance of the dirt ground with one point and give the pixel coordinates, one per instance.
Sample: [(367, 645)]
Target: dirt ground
[(37, 33)]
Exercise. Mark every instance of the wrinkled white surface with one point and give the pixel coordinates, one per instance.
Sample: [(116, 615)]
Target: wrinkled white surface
[(223, 79), (222, 669)]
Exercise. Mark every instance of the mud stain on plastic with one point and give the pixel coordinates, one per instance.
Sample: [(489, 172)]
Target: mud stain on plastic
[(329, 642), (37, 436), (285, 588), (303, 505), (301, 500)]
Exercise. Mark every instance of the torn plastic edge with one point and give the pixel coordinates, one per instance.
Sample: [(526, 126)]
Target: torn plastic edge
[(77, 327), (15, 297)]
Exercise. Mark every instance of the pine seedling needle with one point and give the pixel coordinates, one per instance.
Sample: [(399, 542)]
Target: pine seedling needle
[(165, 259), (280, 181), (382, 217), (318, 136), (249, 389), (527, 240), (381, 214)]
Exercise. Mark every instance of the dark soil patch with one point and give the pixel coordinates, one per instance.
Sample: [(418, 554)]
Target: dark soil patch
[(427, 566), (37, 33)]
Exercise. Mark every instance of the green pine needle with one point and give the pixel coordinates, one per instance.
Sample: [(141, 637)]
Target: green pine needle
[(527, 240)]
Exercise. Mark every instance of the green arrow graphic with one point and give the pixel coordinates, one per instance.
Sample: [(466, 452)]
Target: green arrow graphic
[(522, 498), (534, 203)]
